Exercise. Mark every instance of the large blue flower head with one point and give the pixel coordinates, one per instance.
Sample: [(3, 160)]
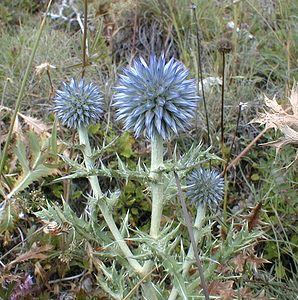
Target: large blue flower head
[(78, 103), (205, 186), (156, 98)]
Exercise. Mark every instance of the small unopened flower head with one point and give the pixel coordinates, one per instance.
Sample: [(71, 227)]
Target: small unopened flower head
[(78, 103), (205, 186), (156, 98), (224, 45)]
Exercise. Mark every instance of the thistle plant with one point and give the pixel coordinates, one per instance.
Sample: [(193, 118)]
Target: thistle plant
[(156, 100), (98, 247), (204, 188), (78, 104)]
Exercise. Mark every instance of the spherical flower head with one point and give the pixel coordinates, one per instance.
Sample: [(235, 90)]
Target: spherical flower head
[(78, 103), (205, 186), (156, 98)]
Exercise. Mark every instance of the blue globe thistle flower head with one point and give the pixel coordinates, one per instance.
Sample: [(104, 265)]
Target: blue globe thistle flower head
[(205, 186), (156, 98), (78, 103)]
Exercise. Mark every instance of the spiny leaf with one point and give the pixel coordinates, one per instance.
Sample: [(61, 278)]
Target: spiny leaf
[(162, 249), (253, 219), (54, 138), (99, 152), (34, 146), (65, 215), (7, 216), (33, 164), (36, 125), (29, 177), (174, 268), (21, 155)]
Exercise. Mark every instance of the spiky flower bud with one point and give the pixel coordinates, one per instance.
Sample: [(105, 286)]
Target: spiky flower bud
[(78, 103), (205, 186), (156, 98)]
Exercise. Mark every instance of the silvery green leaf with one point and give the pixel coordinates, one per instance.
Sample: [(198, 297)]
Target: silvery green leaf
[(173, 269), (65, 215), (114, 281), (8, 216), (99, 151), (72, 163), (33, 162), (113, 197), (124, 226)]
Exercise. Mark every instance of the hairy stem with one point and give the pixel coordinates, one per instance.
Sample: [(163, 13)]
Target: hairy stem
[(157, 184), (84, 140)]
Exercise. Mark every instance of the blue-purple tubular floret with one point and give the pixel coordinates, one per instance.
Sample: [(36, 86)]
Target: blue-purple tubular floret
[(78, 103), (156, 98), (205, 186)]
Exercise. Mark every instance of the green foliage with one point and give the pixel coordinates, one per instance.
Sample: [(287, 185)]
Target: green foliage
[(14, 11), (66, 217), (8, 217), (124, 145), (112, 281), (34, 163), (263, 60), (6, 293)]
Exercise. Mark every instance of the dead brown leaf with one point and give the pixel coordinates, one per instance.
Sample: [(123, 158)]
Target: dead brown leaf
[(35, 124), (256, 262), (240, 261), (253, 219), (223, 289), (40, 272), (294, 100), (245, 293), (34, 253), (278, 118), (9, 278)]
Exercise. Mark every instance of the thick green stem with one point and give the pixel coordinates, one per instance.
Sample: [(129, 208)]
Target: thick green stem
[(157, 184), (157, 201), (190, 254), (84, 140)]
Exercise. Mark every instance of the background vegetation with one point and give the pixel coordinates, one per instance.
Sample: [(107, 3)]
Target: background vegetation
[(260, 59)]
